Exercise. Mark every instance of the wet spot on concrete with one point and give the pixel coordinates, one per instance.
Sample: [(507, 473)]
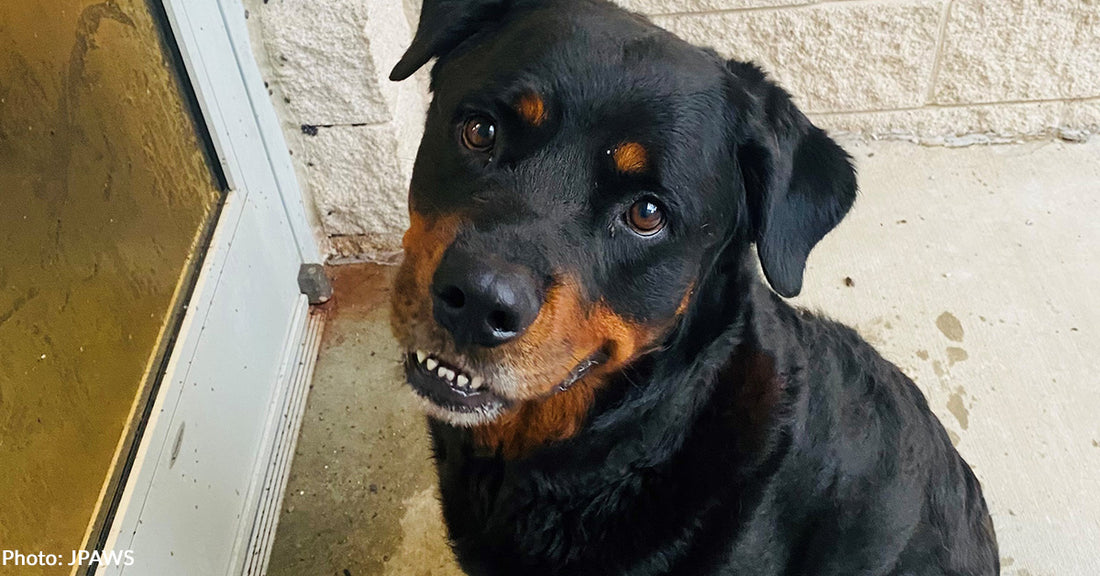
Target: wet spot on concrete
[(423, 548), (1007, 561), (957, 407), (950, 326), (922, 354), (955, 439), (938, 369), (1023, 572), (955, 354), (361, 428)]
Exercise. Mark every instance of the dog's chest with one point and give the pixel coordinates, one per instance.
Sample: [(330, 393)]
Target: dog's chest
[(507, 519)]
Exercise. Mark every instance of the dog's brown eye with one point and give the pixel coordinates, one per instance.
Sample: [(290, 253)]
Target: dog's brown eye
[(479, 134), (646, 217)]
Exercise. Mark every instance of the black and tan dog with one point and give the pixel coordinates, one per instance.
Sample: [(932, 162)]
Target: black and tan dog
[(611, 388)]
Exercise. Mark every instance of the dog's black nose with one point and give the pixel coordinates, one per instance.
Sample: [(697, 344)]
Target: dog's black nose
[(483, 302)]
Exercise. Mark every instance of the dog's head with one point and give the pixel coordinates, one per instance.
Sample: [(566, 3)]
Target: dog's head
[(579, 170)]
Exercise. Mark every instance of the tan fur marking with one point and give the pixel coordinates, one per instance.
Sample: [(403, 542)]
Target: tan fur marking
[(539, 422), (424, 242), (565, 328), (531, 108), (630, 157)]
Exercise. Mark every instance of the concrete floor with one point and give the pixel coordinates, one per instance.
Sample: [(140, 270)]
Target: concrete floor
[(975, 270)]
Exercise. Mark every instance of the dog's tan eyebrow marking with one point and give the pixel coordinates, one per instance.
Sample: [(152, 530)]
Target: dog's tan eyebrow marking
[(630, 158), (531, 108)]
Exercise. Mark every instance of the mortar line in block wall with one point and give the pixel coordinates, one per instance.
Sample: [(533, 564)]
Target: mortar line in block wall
[(933, 106), (748, 9), (938, 58), (742, 9), (308, 129)]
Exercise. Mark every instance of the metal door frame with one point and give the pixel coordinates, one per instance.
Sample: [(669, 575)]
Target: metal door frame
[(203, 487)]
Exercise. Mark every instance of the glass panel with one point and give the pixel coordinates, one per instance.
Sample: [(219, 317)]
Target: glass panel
[(105, 195)]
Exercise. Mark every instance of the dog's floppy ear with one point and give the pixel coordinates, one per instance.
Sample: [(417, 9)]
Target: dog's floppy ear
[(444, 24), (799, 183)]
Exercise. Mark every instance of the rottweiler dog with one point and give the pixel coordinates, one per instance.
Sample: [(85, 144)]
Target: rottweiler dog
[(611, 388)]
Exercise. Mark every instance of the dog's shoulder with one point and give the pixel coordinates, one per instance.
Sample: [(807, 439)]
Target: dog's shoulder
[(863, 444)]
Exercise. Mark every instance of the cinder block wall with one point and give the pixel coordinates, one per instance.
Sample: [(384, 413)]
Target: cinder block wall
[(938, 72)]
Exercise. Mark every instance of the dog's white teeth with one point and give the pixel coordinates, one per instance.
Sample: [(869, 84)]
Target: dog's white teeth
[(451, 375)]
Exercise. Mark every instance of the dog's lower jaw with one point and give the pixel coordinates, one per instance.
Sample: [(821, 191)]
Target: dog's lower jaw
[(470, 419)]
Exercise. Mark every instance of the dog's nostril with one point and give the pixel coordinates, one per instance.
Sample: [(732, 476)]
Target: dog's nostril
[(502, 322), (453, 297)]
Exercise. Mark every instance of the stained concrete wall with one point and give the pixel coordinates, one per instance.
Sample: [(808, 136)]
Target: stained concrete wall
[(352, 132), (950, 72)]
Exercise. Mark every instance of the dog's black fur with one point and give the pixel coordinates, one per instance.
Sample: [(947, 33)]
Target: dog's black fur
[(751, 437)]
